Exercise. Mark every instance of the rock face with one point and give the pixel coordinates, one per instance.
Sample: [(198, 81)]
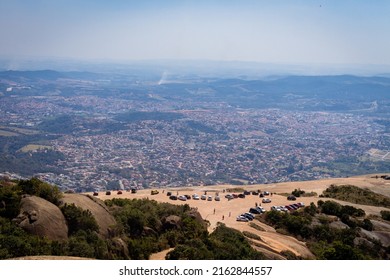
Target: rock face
[(172, 222), (100, 212), (41, 217)]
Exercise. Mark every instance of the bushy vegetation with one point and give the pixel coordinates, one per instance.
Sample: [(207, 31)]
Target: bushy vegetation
[(356, 195), (36, 187), (79, 219), (326, 241), (144, 226), (223, 244), (83, 241), (297, 192), (10, 196), (385, 215), (149, 226)]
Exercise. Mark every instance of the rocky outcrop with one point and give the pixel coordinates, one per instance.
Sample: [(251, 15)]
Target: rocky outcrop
[(98, 209), (41, 217), (172, 222)]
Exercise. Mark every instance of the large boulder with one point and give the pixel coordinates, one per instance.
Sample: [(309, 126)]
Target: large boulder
[(98, 209), (172, 222), (41, 217)]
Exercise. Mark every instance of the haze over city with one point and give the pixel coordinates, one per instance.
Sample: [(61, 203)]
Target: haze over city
[(343, 34)]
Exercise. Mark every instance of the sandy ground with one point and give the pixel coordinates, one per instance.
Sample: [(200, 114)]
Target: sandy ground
[(226, 211)]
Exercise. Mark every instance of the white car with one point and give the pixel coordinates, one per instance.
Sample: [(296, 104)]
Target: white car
[(242, 219), (182, 197), (195, 196), (217, 198), (203, 197), (266, 200), (210, 198)]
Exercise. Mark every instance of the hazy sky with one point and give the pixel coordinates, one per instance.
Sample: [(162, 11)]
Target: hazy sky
[(328, 31)]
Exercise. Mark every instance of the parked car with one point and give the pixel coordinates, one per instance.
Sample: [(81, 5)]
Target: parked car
[(294, 207), (210, 198), (173, 197), (217, 198), (266, 193), (95, 194), (283, 208), (203, 197), (261, 195), (254, 211), (255, 193), (291, 197), (108, 193), (301, 204), (289, 207), (241, 195), (119, 192), (247, 192), (248, 215), (154, 192), (182, 198), (261, 209), (169, 193), (187, 196), (133, 190), (242, 219), (266, 200), (275, 208), (195, 196)]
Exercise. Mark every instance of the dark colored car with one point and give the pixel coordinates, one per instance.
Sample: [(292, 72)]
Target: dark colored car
[(247, 193), (291, 197), (254, 211), (248, 215), (294, 207), (173, 197), (108, 193), (241, 195), (169, 193)]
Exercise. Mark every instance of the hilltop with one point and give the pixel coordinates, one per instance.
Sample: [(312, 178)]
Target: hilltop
[(150, 221), (272, 242)]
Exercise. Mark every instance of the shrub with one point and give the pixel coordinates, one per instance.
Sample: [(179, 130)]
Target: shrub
[(331, 208), (251, 235), (385, 215), (9, 202), (36, 187), (78, 219), (297, 192), (367, 225)]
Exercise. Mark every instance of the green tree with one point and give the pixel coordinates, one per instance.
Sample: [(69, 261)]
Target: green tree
[(36, 187), (9, 201), (79, 219)]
